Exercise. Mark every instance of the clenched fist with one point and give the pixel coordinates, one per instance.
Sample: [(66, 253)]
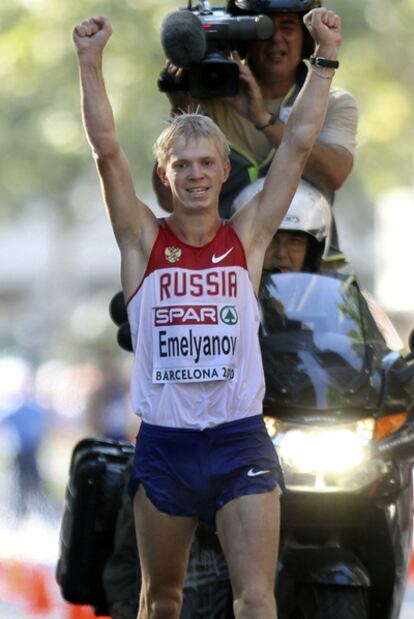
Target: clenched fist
[(91, 36), (325, 27)]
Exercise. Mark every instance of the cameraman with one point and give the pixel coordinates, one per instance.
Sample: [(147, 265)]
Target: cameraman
[(254, 120)]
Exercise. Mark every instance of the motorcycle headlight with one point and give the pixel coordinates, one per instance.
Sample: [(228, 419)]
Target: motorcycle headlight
[(324, 458)]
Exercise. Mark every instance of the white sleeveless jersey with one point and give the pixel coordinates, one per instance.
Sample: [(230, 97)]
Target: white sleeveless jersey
[(194, 325)]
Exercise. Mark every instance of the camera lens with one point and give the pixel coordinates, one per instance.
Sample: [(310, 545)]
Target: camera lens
[(215, 76)]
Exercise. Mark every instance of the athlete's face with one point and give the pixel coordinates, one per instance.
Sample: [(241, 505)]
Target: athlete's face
[(277, 58), (286, 252), (195, 172)]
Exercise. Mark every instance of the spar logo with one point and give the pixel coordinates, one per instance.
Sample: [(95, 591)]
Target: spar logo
[(194, 315), (185, 315), (228, 315)]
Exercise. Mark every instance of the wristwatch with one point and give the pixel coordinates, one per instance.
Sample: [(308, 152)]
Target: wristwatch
[(318, 61), (270, 122)]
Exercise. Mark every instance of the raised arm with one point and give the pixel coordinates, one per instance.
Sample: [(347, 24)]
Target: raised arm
[(257, 223), (328, 164), (133, 222)]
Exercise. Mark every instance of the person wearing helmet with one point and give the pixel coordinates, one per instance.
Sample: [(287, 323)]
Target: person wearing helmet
[(272, 74), (302, 239)]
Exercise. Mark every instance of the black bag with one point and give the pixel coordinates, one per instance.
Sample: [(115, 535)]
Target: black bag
[(93, 497)]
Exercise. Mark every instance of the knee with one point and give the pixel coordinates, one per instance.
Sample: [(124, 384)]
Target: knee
[(255, 601), (164, 604), (165, 608)]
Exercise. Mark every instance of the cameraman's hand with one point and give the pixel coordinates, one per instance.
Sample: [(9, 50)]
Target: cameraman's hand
[(325, 29), (249, 101), (91, 36), (180, 100)]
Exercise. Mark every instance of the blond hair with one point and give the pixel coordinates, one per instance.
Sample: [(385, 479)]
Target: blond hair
[(189, 126)]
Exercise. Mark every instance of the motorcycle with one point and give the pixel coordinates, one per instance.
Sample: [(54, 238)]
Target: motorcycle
[(339, 407)]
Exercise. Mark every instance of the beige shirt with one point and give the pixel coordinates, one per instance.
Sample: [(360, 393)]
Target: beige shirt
[(339, 128)]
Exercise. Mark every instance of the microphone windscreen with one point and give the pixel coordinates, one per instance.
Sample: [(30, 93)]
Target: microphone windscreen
[(183, 38)]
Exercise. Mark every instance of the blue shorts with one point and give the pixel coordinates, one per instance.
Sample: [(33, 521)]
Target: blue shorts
[(195, 472)]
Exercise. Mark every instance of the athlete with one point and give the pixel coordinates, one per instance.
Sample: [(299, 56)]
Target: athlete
[(197, 383), (299, 245)]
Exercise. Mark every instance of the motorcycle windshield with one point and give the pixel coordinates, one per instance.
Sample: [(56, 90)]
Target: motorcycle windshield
[(320, 344)]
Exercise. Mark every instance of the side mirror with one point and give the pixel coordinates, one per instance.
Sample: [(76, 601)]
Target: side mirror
[(397, 372), (408, 372), (398, 383), (119, 316), (123, 337), (117, 309)]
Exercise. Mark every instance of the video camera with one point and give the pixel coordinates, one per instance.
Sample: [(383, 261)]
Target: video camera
[(199, 40)]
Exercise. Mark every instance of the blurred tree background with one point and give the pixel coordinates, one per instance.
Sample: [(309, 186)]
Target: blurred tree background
[(43, 148), (46, 172)]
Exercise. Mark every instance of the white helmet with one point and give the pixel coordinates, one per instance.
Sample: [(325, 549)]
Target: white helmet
[(308, 212)]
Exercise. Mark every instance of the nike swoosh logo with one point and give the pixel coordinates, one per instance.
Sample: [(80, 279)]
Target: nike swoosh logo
[(253, 473), (216, 259)]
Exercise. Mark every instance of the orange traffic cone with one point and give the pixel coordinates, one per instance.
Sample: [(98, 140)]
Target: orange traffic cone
[(76, 611), (37, 591), (410, 577)]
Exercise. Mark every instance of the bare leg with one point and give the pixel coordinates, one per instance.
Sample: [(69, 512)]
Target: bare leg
[(248, 528), (164, 545)]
